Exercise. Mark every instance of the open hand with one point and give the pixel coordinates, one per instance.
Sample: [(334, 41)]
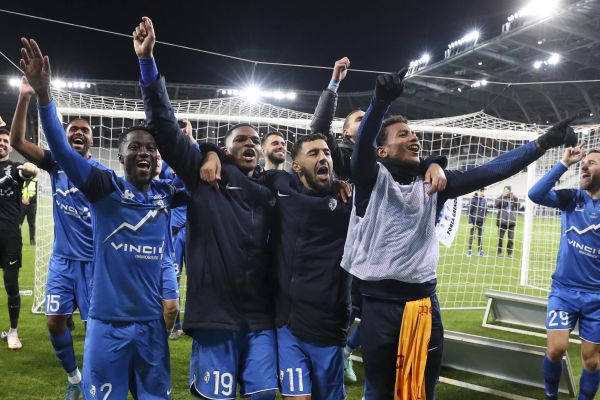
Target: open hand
[(36, 68)]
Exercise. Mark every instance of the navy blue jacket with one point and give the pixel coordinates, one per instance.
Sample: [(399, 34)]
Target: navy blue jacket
[(309, 232), (228, 269)]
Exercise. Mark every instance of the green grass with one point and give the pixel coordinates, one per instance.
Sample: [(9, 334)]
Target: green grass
[(34, 372)]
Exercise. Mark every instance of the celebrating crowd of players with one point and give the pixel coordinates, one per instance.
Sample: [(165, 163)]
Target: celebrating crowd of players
[(271, 255)]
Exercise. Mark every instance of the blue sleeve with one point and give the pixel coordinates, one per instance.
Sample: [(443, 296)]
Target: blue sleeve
[(75, 166), (148, 70), (363, 164), (543, 193), (175, 148), (500, 168)]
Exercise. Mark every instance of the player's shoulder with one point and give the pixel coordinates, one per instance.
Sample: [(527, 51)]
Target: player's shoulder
[(95, 163)]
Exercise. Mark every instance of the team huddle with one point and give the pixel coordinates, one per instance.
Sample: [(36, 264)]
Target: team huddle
[(278, 263)]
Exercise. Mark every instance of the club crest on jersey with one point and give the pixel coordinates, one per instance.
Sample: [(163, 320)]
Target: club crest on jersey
[(127, 195), (206, 377), (580, 206), (332, 204)]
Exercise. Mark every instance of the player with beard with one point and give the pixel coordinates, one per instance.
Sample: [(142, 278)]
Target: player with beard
[(12, 177), (70, 269), (393, 249), (229, 301), (575, 294), (126, 340), (274, 150)]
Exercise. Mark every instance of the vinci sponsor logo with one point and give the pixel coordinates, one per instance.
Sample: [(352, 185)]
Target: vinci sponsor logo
[(140, 251), (72, 211), (584, 249)]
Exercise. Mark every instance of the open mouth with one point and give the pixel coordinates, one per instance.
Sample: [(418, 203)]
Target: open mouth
[(249, 155), (323, 173), (77, 141), (414, 148), (143, 165)]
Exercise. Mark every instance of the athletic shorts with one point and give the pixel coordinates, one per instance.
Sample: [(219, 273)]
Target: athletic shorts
[(179, 247), (69, 284), (126, 356), (222, 359), (11, 246), (307, 369), (567, 306)]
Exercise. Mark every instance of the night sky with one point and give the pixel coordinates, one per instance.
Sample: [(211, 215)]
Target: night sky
[(376, 35)]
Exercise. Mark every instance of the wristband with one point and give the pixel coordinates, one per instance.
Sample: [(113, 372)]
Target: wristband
[(333, 85)]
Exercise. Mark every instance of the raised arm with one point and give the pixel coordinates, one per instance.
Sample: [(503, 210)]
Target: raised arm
[(27, 149), (507, 164), (543, 192), (174, 146), (37, 70), (323, 118), (388, 87)]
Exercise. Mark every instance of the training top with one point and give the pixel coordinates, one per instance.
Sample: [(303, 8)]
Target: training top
[(130, 230), (578, 259)]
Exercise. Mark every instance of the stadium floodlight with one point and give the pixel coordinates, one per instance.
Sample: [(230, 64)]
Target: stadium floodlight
[(479, 83), (470, 39), (459, 90), (554, 59), (14, 82), (534, 9), (254, 93), (251, 93), (415, 65)]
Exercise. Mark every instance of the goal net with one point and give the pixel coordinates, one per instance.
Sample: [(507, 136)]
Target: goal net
[(468, 141)]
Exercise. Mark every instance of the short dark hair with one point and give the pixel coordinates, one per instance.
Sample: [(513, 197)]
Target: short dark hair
[(347, 119), (4, 131), (269, 134), (391, 120), (80, 119), (126, 132), (234, 127), (588, 152), (301, 139)]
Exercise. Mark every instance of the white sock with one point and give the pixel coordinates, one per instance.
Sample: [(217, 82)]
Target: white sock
[(347, 351), (74, 377), (11, 330)]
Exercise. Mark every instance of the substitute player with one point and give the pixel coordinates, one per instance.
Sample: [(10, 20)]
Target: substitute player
[(126, 342), (393, 249), (70, 269), (12, 176), (575, 294)]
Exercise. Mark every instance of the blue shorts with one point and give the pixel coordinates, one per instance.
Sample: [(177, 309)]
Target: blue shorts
[(179, 247), (309, 369), (221, 359), (126, 356), (567, 306), (69, 283)]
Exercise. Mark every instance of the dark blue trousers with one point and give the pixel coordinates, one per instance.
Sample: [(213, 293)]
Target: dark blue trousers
[(380, 331)]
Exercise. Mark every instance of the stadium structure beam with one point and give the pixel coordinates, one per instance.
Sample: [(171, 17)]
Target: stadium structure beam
[(501, 57), (564, 55), (586, 97)]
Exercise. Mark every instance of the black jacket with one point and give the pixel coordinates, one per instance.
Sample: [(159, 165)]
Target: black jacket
[(477, 210), (309, 232), (228, 269)]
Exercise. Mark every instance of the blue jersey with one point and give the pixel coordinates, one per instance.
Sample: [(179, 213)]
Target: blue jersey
[(71, 211), (578, 260), (130, 232), (132, 235)]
